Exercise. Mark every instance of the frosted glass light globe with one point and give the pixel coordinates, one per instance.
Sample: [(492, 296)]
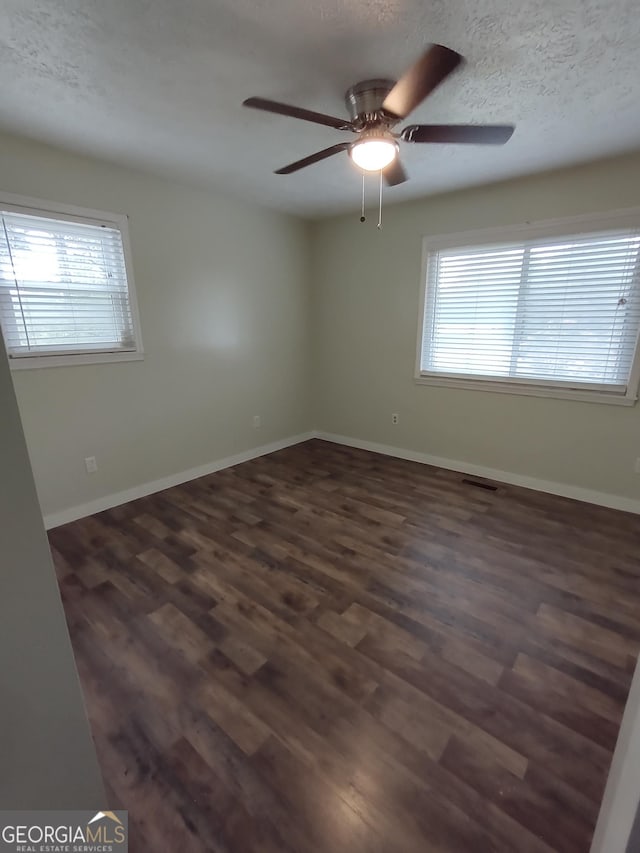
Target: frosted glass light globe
[(373, 153)]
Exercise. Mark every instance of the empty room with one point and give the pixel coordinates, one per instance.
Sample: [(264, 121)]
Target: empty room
[(320, 434)]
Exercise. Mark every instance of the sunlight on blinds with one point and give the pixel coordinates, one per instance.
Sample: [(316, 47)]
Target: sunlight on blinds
[(63, 287)]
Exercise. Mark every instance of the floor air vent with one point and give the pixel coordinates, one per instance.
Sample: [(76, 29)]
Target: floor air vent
[(479, 485)]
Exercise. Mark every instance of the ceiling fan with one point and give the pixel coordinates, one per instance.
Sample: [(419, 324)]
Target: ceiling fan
[(377, 106)]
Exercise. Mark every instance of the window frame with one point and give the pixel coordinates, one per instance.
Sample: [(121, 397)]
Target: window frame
[(73, 213), (529, 230)]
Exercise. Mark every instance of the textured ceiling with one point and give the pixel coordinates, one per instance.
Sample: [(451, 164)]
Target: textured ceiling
[(159, 84)]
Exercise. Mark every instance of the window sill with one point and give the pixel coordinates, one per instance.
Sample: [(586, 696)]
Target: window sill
[(39, 361), (531, 390)]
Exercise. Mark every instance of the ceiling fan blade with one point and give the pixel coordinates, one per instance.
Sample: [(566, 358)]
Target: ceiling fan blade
[(420, 80), (297, 112), (394, 174), (313, 158), (474, 134)]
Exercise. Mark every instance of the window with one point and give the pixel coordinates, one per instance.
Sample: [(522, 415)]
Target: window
[(66, 294), (551, 313)]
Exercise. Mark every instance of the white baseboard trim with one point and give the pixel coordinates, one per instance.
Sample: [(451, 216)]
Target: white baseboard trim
[(563, 489), (55, 519), (578, 493)]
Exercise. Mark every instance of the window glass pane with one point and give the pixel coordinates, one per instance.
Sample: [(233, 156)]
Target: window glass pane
[(555, 310), (474, 311), (63, 287), (575, 317)]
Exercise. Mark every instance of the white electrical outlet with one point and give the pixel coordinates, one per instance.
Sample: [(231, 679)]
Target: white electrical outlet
[(90, 464), (257, 421), (395, 419), (637, 468)]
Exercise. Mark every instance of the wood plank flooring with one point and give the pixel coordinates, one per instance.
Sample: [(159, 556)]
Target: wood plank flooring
[(328, 650)]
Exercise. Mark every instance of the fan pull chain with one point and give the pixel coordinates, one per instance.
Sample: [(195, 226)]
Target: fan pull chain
[(362, 216), (380, 205)]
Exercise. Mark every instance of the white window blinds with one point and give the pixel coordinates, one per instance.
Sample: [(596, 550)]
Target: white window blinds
[(552, 311), (63, 287)]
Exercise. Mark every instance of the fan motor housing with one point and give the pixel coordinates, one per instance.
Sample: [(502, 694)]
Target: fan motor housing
[(364, 101)]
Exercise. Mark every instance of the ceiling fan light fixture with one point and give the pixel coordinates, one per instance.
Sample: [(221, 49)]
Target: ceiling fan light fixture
[(376, 106), (374, 153)]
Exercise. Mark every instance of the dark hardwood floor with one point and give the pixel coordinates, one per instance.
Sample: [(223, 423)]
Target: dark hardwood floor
[(329, 650)]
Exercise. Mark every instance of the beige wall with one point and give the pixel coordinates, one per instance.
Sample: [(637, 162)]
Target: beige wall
[(48, 758), (365, 310), (223, 294)]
